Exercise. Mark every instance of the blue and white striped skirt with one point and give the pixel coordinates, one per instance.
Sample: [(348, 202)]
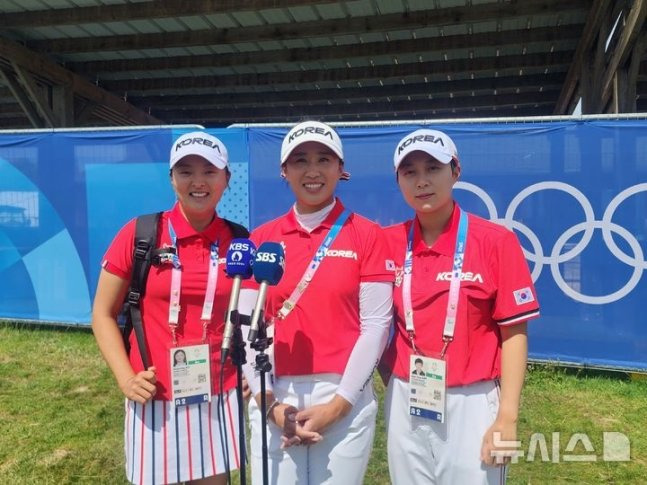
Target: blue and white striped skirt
[(169, 444)]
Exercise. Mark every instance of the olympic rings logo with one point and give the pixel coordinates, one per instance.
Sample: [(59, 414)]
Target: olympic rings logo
[(588, 227)]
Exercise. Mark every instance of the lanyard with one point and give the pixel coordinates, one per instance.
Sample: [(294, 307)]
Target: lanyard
[(313, 266), (454, 285), (176, 283)]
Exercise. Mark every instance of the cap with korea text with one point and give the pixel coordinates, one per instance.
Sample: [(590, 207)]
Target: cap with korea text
[(313, 131), (435, 143), (202, 144)]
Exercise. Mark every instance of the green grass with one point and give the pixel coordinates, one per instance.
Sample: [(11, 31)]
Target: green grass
[(61, 417), (60, 411), (575, 401)]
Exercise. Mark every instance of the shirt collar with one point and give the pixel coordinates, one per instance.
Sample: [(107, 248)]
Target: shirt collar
[(183, 229), (290, 223), (446, 242)]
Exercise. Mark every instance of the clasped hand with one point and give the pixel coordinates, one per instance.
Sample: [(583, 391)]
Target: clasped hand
[(307, 426)]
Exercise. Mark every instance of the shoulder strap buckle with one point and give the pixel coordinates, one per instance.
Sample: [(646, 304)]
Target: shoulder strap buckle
[(133, 297)]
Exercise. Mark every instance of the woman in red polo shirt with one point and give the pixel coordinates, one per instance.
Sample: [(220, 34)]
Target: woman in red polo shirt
[(172, 429), (329, 324), (462, 298)]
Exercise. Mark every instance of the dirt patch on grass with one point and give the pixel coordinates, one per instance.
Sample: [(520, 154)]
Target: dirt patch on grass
[(6, 466), (56, 456)]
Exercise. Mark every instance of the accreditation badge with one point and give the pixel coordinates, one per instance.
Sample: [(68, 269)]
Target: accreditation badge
[(427, 387), (190, 374)]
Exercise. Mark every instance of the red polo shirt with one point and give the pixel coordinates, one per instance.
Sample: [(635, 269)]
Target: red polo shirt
[(320, 332), (496, 289), (194, 253)]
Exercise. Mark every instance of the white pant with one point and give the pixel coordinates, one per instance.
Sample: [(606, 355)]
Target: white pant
[(340, 458), (422, 451)]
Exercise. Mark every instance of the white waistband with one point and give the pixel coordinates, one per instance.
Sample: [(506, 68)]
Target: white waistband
[(331, 378)]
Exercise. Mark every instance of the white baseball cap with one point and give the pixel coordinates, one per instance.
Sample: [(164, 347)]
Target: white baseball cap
[(313, 131), (435, 143), (201, 144)]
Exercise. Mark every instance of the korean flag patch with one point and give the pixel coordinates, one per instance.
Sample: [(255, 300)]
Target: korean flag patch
[(524, 295)]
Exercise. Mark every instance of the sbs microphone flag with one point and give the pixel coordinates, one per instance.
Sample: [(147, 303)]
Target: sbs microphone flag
[(269, 265)]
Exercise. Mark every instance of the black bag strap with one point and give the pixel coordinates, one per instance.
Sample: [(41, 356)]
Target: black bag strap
[(146, 234)]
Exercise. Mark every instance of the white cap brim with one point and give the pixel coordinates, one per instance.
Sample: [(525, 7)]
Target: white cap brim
[(311, 131), (439, 155), (200, 144), (432, 142)]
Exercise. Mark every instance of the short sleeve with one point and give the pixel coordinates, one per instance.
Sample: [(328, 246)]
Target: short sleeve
[(396, 239), (376, 264), (118, 259), (516, 298)]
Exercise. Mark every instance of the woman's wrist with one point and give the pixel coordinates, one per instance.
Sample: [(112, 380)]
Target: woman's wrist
[(340, 406), (124, 380), (508, 413), (269, 414)]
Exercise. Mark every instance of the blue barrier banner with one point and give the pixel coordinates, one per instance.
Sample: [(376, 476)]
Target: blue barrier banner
[(573, 192), (63, 197)]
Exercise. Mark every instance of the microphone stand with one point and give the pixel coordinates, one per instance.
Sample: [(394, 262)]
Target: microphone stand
[(238, 358), (263, 365)]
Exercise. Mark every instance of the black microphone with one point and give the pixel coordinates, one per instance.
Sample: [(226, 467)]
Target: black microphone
[(240, 258), (268, 270)]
